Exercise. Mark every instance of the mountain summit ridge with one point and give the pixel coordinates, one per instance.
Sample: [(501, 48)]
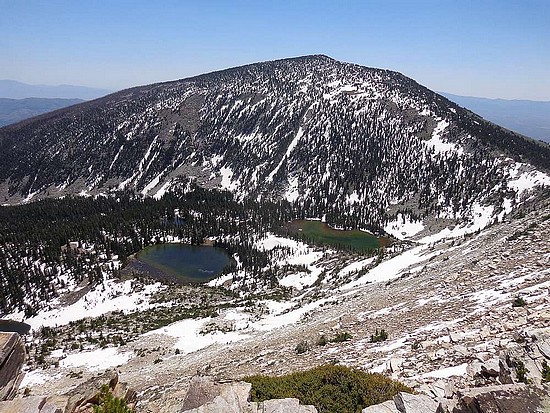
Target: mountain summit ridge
[(359, 144)]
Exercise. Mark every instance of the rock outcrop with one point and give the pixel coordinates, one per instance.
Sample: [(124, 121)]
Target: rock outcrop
[(405, 403), (206, 396), (79, 400), (509, 398), (12, 356)]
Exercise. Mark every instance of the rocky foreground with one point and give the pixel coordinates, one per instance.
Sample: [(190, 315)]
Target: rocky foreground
[(468, 327)]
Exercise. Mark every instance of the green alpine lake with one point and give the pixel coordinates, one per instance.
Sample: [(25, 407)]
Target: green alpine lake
[(184, 262)]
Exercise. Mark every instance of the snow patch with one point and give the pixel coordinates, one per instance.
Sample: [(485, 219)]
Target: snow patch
[(226, 183), (438, 144), (288, 152), (459, 370), (482, 216), (403, 227), (527, 180), (191, 338), (95, 360), (292, 193), (355, 266), (393, 267), (107, 296)]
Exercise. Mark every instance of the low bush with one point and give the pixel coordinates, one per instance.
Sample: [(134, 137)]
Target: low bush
[(109, 403), (521, 372), (301, 347), (519, 302), (379, 335), (331, 389), (341, 337), (545, 372), (322, 340)]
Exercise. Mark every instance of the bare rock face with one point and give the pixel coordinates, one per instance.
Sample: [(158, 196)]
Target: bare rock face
[(83, 397), (511, 398), (228, 398), (405, 403), (12, 356), (410, 403), (386, 407), (202, 390), (37, 404), (283, 406), (88, 393), (206, 396), (79, 400)]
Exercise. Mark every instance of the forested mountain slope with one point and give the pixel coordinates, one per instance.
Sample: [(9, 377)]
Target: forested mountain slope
[(355, 143)]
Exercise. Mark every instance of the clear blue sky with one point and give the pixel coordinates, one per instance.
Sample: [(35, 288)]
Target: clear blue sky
[(480, 48)]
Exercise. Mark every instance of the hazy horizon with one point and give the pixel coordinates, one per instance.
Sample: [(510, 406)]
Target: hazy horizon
[(491, 50)]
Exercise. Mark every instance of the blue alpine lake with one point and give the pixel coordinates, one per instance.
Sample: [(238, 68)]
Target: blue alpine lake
[(187, 263)]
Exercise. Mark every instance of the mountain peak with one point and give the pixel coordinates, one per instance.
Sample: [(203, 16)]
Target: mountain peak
[(360, 145)]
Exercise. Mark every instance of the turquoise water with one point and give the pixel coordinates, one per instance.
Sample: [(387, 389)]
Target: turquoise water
[(190, 263)]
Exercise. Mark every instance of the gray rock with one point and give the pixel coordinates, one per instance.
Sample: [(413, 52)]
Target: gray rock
[(395, 363), (284, 406), (36, 404), (206, 396), (438, 388), (88, 392), (505, 375), (446, 405), (12, 356), (231, 398), (201, 391), (449, 389), (26, 405), (544, 348), (509, 398), (411, 403), (386, 407)]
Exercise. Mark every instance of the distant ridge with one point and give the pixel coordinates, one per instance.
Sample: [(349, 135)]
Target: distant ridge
[(528, 117), (13, 89), (15, 110)]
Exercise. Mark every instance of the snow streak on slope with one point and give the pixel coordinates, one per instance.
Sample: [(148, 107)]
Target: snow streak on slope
[(107, 296), (335, 138)]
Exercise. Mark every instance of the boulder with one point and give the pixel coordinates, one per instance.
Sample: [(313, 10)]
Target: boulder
[(88, 392), (80, 399), (284, 406), (12, 356), (220, 398), (201, 390), (509, 398), (37, 404), (544, 348), (386, 407), (414, 403), (206, 396)]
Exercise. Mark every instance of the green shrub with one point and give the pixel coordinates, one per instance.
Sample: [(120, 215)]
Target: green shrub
[(379, 335), (109, 403), (301, 347), (341, 337), (322, 340), (521, 372), (519, 302), (545, 372), (331, 389)]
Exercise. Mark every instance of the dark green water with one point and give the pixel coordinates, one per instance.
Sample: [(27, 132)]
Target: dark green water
[(14, 326), (190, 263)]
